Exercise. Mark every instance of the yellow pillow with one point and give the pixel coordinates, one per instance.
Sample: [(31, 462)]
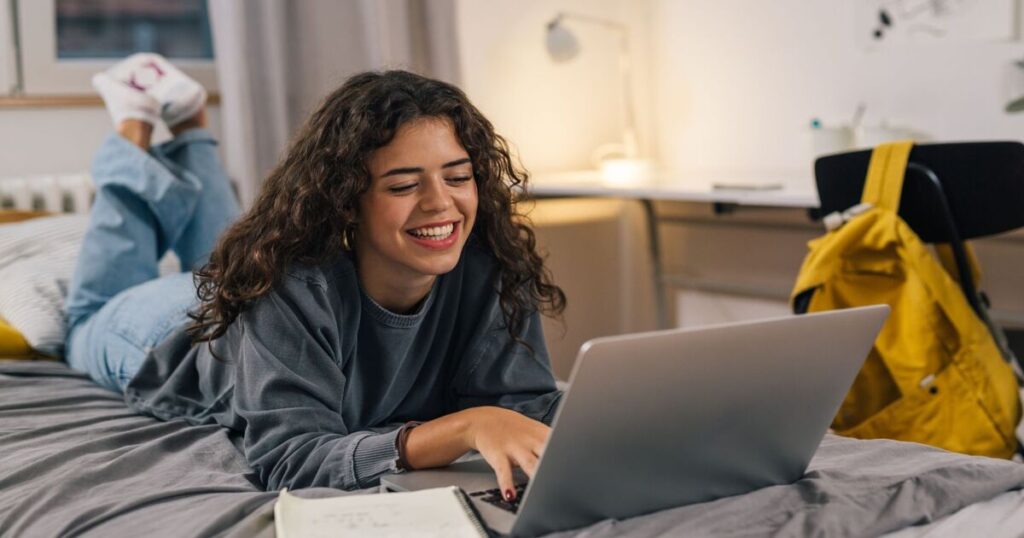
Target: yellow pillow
[(12, 343)]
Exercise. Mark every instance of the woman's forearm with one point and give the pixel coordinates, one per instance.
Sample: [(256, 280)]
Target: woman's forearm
[(440, 441)]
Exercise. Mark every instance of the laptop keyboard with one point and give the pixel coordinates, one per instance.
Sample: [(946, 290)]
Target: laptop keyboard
[(493, 496)]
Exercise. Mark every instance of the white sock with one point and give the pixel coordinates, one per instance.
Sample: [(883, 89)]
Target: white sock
[(124, 101), (180, 96)]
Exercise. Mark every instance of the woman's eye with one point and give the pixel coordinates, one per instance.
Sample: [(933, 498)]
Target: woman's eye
[(459, 179), (402, 188)]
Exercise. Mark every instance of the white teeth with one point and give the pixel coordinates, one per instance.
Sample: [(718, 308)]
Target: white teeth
[(434, 232)]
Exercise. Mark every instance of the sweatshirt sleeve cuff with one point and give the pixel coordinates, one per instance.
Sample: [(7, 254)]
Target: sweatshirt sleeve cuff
[(373, 455)]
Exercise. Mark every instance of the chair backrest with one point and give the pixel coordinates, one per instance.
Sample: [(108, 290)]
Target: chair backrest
[(983, 183)]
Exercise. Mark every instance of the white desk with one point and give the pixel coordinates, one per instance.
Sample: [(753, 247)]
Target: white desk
[(590, 184)]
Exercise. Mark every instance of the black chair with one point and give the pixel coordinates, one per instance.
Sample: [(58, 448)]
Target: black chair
[(952, 192)]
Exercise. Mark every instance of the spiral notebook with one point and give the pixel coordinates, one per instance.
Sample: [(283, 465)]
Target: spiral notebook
[(438, 512)]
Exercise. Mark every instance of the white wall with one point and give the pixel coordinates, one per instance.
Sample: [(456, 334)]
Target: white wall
[(555, 114), (58, 140), (725, 88), (737, 82)]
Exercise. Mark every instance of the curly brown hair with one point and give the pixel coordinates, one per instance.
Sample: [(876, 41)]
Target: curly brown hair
[(307, 208)]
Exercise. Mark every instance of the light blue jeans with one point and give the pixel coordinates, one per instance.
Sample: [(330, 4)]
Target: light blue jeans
[(176, 196)]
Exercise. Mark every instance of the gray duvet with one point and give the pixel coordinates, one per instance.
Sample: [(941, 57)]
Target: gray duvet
[(74, 460)]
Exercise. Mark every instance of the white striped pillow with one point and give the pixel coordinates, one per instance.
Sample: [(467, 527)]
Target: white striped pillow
[(37, 258)]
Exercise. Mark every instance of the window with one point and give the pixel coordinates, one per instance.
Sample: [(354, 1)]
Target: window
[(104, 29), (61, 43)]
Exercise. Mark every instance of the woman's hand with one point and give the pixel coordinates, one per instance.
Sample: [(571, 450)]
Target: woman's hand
[(506, 439)]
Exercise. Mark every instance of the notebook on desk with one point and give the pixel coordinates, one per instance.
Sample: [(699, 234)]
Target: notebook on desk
[(668, 418)]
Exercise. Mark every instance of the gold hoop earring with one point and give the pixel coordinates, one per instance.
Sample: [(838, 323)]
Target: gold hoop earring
[(346, 242)]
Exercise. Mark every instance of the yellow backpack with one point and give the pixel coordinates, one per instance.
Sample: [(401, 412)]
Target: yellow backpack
[(935, 374)]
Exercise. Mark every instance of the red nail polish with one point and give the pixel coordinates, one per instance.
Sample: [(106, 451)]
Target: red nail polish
[(509, 495)]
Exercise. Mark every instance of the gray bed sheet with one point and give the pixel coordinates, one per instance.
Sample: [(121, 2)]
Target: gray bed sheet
[(76, 461)]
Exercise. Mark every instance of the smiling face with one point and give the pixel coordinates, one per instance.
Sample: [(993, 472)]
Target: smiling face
[(418, 212)]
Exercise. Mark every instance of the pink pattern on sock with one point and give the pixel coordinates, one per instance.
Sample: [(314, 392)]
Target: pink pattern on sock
[(135, 85), (156, 68)]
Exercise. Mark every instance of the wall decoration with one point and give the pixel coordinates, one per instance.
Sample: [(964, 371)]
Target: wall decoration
[(887, 23)]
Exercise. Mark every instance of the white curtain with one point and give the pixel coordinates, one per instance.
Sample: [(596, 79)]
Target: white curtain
[(276, 59)]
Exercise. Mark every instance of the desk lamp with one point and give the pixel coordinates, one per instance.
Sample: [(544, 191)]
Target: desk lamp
[(563, 46)]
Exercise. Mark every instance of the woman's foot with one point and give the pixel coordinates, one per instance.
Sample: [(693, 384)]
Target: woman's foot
[(132, 110), (181, 98), (125, 101), (144, 88)]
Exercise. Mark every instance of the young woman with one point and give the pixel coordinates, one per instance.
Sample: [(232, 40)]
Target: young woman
[(376, 310)]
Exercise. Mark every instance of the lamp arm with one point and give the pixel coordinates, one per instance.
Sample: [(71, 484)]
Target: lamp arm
[(630, 146), (569, 15)]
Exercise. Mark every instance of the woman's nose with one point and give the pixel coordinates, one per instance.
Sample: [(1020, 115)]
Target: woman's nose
[(435, 196)]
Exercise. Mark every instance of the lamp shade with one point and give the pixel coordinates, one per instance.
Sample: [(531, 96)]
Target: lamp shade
[(562, 45)]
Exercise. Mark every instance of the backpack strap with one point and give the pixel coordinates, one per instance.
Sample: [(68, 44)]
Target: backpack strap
[(945, 253), (884, 186), (884, 182)]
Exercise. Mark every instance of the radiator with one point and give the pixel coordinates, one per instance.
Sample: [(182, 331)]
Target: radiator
[(70, 193)]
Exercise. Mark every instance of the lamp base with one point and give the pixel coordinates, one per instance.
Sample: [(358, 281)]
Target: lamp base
[(627, 172)]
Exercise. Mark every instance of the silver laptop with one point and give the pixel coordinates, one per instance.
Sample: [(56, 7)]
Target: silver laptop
[(663, 419)]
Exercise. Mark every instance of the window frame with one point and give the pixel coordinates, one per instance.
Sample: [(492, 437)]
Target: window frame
[(8, 51), (42, 73)]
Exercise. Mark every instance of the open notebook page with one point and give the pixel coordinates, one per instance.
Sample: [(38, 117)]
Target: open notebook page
[(440, 512)]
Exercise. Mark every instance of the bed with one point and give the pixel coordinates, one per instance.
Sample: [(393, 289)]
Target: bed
[(76, 461)]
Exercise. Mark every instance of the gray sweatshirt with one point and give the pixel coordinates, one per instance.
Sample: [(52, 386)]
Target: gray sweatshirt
[(316, 378)]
